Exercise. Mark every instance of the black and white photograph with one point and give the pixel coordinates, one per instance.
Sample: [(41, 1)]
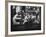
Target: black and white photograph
[(25, 18)]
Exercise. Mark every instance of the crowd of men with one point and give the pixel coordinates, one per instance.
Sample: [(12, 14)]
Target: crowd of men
[(27, 15)]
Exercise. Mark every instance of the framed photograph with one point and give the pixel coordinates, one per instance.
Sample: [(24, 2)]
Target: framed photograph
[(25, 18)]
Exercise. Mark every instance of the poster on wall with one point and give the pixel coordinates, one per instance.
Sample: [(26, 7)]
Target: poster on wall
[(25, 18)]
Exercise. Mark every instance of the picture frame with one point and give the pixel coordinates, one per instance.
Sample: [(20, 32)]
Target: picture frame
[(35, 10)]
